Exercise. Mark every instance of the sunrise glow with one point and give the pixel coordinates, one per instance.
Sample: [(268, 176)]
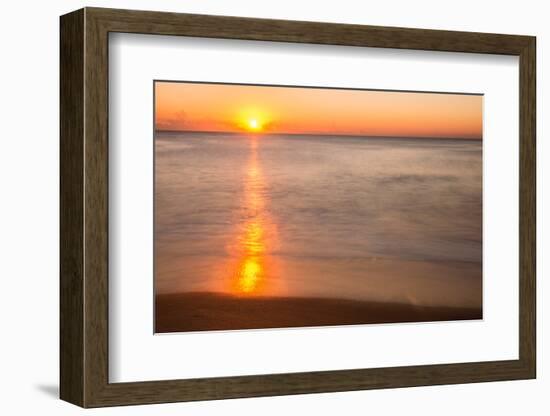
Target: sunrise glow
[(233, 108)]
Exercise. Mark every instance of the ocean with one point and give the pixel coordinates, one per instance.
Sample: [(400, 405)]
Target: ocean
[(343, 217)]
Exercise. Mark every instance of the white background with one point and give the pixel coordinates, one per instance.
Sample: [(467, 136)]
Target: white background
[(29, 217), (136, 355)]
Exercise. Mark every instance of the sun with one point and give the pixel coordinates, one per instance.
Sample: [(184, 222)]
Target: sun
[(252, 120), (254, 124)]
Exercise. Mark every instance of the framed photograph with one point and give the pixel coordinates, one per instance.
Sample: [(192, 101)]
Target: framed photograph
[(255, 207)]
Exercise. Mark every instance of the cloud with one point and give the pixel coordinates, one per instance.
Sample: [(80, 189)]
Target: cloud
[(177, 121)]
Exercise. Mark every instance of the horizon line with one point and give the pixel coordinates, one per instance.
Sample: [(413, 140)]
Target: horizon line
[(317, 134)]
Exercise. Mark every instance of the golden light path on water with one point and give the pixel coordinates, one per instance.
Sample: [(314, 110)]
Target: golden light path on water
[(251, 273)]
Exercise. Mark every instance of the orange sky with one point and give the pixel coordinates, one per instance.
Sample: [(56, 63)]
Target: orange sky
[(237, 108)]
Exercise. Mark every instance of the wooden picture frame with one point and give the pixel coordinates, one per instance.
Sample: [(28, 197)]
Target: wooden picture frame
[(84, 207)]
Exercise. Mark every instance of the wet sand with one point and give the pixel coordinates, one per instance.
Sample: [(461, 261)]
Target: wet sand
[(207, 311)]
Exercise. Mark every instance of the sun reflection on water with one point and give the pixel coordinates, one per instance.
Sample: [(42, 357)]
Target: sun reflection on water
[(256, 236)]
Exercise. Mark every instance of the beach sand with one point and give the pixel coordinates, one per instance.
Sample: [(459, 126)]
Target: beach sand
[(207, 311)]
